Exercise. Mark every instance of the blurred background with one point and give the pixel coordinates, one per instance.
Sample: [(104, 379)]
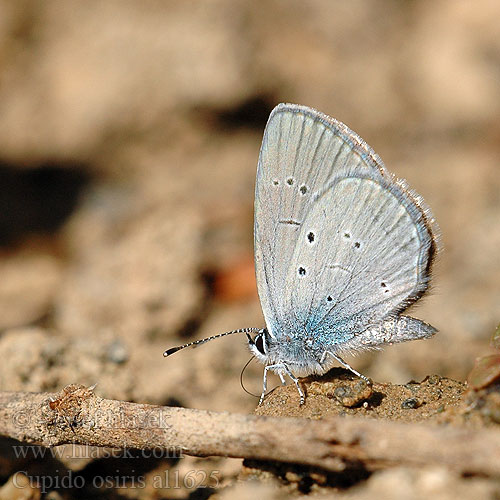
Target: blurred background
[(129, 138)]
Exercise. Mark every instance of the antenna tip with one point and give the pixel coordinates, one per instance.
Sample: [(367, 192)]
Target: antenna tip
[(170, 351)]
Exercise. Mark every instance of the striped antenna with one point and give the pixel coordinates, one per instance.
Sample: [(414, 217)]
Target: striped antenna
[(196, 343)]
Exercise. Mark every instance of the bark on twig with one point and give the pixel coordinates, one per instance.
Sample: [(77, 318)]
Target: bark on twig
[(77, 415)]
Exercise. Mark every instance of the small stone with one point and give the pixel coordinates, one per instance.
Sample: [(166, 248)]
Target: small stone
[(319, 478), (352, 395), (410, 403), (292, 477), (117, 352)]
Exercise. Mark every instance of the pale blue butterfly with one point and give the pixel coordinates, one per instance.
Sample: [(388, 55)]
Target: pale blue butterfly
[(342, 248)]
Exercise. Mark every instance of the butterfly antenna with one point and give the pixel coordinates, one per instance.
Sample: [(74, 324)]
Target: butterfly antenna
[(196, 343)]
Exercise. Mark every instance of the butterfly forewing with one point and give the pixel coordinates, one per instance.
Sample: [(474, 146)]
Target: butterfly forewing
[(297, 158)]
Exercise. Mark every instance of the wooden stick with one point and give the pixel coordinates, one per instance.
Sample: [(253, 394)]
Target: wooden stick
[(77, 415)]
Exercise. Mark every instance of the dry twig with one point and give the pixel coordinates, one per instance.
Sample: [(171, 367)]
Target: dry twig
[(77, 415)]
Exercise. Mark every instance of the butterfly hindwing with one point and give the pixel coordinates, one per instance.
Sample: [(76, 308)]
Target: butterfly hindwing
[(360, 255)]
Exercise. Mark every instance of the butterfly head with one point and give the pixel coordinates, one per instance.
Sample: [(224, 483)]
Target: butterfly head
[(260, 345)]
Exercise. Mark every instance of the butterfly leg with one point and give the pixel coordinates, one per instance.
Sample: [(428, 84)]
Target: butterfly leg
[(296, 382), (280, 367), (264, 383), (345, 365)]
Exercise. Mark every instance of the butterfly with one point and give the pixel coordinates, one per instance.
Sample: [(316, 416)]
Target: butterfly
[(342, 248)]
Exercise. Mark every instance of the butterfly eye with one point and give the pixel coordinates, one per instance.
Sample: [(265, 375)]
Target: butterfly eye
[(259, 343)]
